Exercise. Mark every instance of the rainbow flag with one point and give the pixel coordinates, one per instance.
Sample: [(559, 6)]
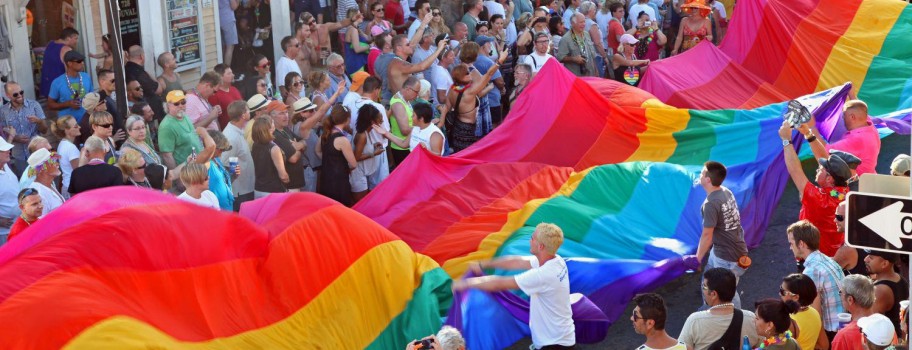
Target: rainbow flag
[(777, 50), (130, 268), (612, 166)]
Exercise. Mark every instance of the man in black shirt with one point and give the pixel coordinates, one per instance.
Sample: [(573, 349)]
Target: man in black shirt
[(135, 71), (97, 173)]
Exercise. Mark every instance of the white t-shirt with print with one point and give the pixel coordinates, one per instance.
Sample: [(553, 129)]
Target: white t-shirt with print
[(550, 317)]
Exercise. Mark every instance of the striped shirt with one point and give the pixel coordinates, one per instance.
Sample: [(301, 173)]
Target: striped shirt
[(827, 276)]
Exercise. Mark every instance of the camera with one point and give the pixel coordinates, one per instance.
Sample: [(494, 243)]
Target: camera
[(424, 344)]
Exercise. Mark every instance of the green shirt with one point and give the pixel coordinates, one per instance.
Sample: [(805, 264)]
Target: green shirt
[(394, 124), (177, 136)]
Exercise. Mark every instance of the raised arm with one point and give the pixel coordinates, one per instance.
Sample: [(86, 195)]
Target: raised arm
[(792, 163), (476, 89)]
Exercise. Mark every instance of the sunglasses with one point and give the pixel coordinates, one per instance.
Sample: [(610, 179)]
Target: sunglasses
[(840, 218), (265, 65), (783, 292), (77, 61), (27, 192), (104, 125), (296, 84), (435, 14), (378, 10), (262, 84), (141, 166), (138, 89), (311, 23), (180, 103), (17, 94)]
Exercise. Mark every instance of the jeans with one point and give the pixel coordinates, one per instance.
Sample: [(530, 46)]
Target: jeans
[(715, 261), (600, 65), (310, 180)]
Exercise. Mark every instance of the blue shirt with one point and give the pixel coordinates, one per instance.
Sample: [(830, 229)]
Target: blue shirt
[(220, 184), (65, 88), (483, 63), (18, 119), (334, 85)]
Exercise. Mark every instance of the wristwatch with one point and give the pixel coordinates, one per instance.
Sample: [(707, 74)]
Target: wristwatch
[(786, 143)]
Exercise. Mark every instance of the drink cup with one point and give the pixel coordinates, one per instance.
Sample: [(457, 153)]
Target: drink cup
[(844, 319), (233, 164)]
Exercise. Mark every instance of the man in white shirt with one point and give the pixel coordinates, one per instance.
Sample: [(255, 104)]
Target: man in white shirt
[(286, 64), (9, 190), (546, 281), (568, 13), (542, 44)]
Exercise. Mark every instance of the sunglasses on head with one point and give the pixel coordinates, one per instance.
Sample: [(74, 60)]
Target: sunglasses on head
[(27, 192), (17, 94)]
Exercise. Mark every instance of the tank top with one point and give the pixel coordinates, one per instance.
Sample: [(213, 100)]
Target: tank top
[(171, 85), (900, 292), (267, 176), (394, 124), (423, 137), (52, 67)]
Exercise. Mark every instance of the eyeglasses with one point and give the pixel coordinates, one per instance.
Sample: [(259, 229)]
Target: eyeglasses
[(138, 129), (704, 287), (783, 292), (413, 90), (104, 125), (337, 66), (840, 218), (637, 317), (180, 103), (542, 41), (17, 94)]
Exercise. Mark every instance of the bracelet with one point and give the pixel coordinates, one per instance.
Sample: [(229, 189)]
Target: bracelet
[(811, 139)]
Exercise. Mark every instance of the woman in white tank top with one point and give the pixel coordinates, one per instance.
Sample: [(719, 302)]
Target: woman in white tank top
[(424, 132)]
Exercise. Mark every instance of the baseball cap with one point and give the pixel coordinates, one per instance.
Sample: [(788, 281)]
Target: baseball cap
[(275, 105), (836, 167), (900, 165), (5, 146), (377, 30), (629, 39), (303, 104), (175, 96), (851, 160), (483, 39), (877, 328), (891, 257), (257, 101), (90, 101), (358, 79), (73, 55)]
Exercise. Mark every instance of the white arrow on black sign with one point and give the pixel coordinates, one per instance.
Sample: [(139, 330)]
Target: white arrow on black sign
[(887, 223)]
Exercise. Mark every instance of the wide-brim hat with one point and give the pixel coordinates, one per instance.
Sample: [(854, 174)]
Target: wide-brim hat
[(256, 102), (303, 104)]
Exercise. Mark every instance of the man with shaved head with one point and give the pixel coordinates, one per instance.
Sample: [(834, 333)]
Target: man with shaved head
[(151, 88)]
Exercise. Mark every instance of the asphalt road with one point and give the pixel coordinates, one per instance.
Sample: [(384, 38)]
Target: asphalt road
[(772, 260)]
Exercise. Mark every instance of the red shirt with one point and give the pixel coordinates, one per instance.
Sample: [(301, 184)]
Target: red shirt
[(615, 30), (17, 228), (222, 99), (848, 338), (371, 58), (393, 13), (818, 205)]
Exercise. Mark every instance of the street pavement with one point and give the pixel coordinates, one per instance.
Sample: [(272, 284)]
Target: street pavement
[(772, 261)]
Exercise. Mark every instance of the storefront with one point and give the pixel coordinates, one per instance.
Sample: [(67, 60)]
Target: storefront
[(187, 28)]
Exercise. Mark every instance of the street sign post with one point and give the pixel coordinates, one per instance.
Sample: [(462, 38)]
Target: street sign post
[(879, 222)]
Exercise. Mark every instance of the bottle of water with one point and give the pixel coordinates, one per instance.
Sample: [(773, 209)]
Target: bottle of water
[(746, 345)]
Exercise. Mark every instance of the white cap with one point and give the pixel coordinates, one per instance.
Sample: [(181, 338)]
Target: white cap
[(629, 39), (878, 329), (5, 146), (39, 157)]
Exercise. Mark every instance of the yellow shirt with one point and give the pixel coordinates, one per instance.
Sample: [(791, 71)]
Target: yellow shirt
[(808, 327)]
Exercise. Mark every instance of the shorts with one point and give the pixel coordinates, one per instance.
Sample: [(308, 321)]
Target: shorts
[(229, 33), (357, 180)]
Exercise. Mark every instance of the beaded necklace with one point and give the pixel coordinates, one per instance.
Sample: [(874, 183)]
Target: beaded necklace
[(776, 340), (76, 94)]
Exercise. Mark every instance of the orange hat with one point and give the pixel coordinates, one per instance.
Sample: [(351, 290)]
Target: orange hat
[(358, 79), (698, 4), (275, 105)]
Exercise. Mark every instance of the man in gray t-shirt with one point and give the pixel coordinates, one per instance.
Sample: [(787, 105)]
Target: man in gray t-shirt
[(722, 236)]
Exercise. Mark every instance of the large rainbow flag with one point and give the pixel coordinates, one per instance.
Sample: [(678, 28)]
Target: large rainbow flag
[(776, 50), (129, 268), (616, 176)]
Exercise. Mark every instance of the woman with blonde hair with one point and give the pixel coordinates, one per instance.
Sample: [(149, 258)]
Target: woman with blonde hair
[(195, 178), (133, 166), (102, 124), (357, 44), (67, 129), (268, 160), (437, 24), (319, 82)]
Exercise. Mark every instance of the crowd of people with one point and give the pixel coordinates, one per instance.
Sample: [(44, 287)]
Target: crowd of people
[(337, 123)]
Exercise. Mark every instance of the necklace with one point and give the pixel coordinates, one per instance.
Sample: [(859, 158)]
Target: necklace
[(722, 305), (776, 339), (26, 220), (76, 94)]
